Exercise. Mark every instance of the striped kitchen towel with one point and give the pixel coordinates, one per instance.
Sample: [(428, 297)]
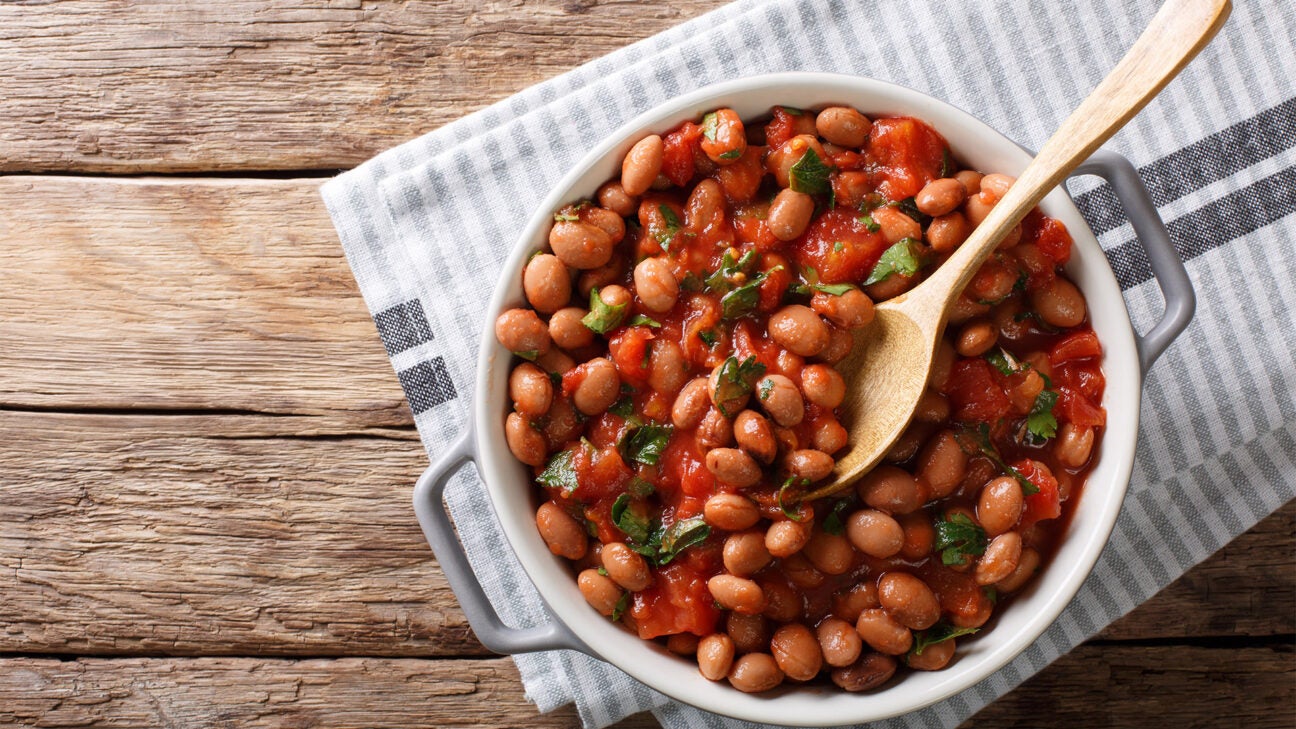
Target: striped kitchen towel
[(425, 227)]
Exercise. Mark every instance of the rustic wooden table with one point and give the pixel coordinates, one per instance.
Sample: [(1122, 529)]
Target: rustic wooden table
[(206, 461)]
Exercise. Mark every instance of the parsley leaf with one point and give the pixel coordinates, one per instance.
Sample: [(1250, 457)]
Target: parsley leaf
[(619, 609), (766, 389), (1040, 422), (735, 380), (833, 522), (981, 437), (869, 224), (731, 154), (743, 300), (529, 354), (810, 174), (643, 320), (635, 525), (722, 280), (793, 485), (563, 218), (709, 124), (646, 443), (640, 487), (603, 318), (957, 538), (560, 472), (948, 168), (624, 407), (666, 236), (838, 247), (833, 289), (909, 207), (905, 258), (680, 536), (938, 633), (708, 337), (1002, 361)]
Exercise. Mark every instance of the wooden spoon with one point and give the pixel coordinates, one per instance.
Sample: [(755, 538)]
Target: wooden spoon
[(892, 360)]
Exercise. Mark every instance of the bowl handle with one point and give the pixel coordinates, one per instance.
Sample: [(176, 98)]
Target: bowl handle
[(1167, 267), (440, 533)]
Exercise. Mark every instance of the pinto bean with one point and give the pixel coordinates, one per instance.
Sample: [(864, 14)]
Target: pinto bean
[(668, 368), (789, 214), (809, 464), (1000, 505), (605, 220), (975, 338), (626, 567), (562, 424), (942, 464), (1074, 445), (614, 197), (995, 185), (731, 512), (745, 553), (869, 672), (656, 285), (796, 651), (939, 197), (641, 165), (737, 593), (524, 442), (691, 404), (829, 435), (560, 531), (1000, 559), (840, 342), (948, 231), (781, 160), (891, 489), (895, 225), (705, 206), (831, 554), (733, 466), (850, 310), (799, 330), (520, 330), (715, 655), (975, 209), (724, 139), (781, 400), (849, 604), (919, 535), (1026, 566), (715, 431), (568, 331), (843, 126), (750, 633), (597, 278), (839, 642), (971, 181), (883, 633), (909, 600), (546, 283), (782, 601), (754, 435), (600, 387), (875, 533), (933, 657), (1060, 304), (531, 390), (580, 245), (785, 538), (933, 407), (682, 644), (754, 673), (600, 591)]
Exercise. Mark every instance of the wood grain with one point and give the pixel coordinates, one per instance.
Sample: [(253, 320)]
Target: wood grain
[(251, 535), (128, 86), (178, 294)]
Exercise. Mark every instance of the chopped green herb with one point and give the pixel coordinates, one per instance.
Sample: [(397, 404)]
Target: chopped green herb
[(619, 609), (833, 522), (938, 633), (792, 110), (796, 290), (709, 124), (791, 489), (948, 168), (1001, 360), (623, 407), (905, 258), (642, 320), (736, 380), (731, 154), (766, 389), (743, 300), (957, 538), (560, 472), (991, 594), (680, 536), (603, 571), (673, 224), (646, 443), (561, 218), (634, 524), (647, 354), (909, 207), (838, 247), (810, 174), (869, 224), (708, 337), (556, 379), (528, 355), (980, 436), (603, 318), (640, 487), (833, 289), (1040, 422), (691, 282), (723, 279)]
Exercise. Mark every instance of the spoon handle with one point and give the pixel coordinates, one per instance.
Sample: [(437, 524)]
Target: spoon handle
[(1179, 30)]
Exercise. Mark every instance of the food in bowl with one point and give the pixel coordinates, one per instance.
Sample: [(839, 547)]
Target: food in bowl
[(674, 423)]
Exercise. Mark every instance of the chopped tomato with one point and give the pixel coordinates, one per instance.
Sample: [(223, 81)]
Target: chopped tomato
[(839, 247), (781, 128), (629, 350), (974, 392), (777, 279), (1049, 235), (1073, 407), (909, 154), (678, 601), (1042, 505), (1083, 377), (600, 473), (958, 593), (1080, 345), (678, 150), (741, 180), (682, 464)]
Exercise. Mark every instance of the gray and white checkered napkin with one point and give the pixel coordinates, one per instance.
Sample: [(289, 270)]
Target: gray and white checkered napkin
[(426, 225)]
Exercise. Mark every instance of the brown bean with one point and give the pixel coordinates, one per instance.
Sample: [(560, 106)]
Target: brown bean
[(933, 657), (831, 554), (780, 161), (947, 232), (691, 404), (840, 343), (809, 464), (909, 600), (520, 330), (656, 285), (731, 512), (782, 601), (829, 435), (580, 245), (754, 435), (1026, 566), (705, 206), (1009, 319), (530, 389), (547, 283), (715, 431), (568, 331), (605, 220), (560, 531), (799, 330), (942, 363), (626, 567), (891, 286), (785, 538), (995, 185), (872, 670), (994, 281), (1000, 505), (919, 535), (891, 489), (1060, 304), (614, 197), (781, 400), (724, 140), (788, 439), (796, 651), (971, 181), (750, 633), (933, 407), (1000, 558), (715, 655), (895, 225), (745, 553), (852, 309), (789, 214), (668, 368), (843, 126), (975, 209), (597, 278), (939, 197), (733, 466), (942, 464), (600, 591), (600, 387), (848, 605), (737, 593), (907, 445), (682, 644), (1074, 445), (975, 338), (883, 633), (526, 443), (641, 165), (875, 533), (839, 643), (754, 673), (563, 423)]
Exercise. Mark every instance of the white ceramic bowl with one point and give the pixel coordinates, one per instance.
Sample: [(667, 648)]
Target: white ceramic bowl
[(1021, 622)]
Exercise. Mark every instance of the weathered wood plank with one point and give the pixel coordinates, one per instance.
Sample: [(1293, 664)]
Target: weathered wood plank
[(184, 295), (247, 693), (142, 86), (1095, 686), (250, 535)]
